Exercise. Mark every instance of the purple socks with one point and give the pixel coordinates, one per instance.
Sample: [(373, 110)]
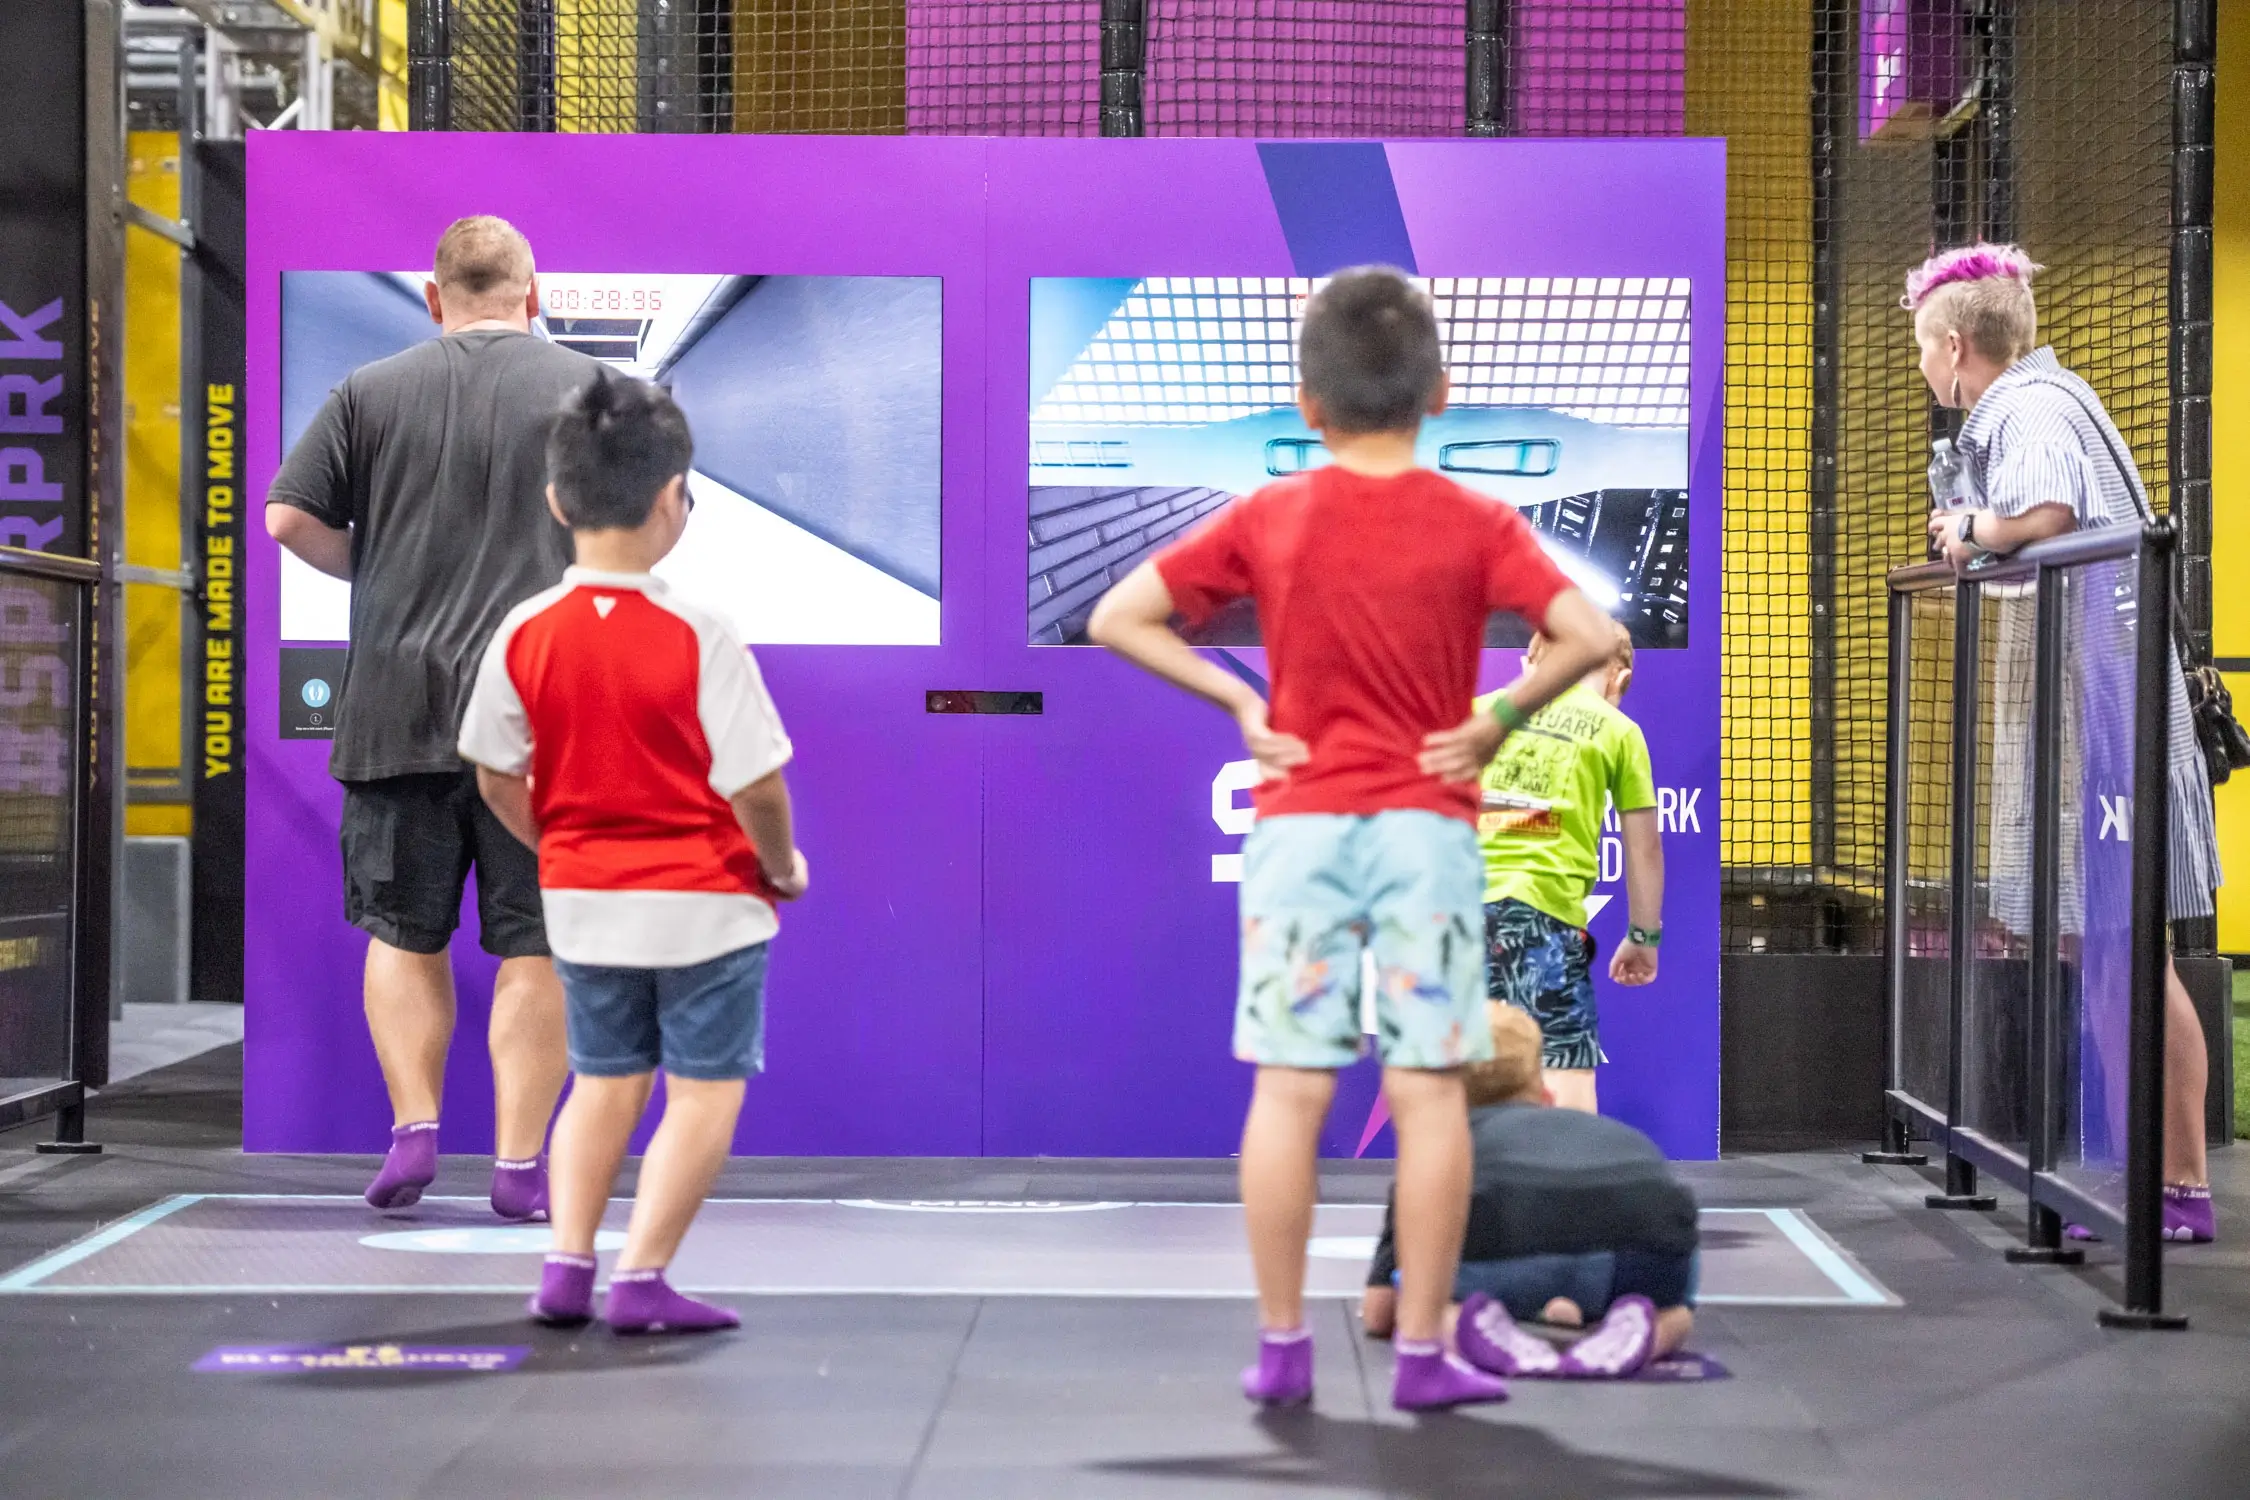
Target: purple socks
[(1618, 1346), (1283, 1374), (519, 1189), (1431, 1379), (1491, 1341), (566, 1290), (2187, 1214), (2188, 1217), (410, 1167), (644, 1302)]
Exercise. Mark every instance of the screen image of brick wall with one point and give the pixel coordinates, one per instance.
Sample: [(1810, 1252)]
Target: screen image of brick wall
[(1085, 538)]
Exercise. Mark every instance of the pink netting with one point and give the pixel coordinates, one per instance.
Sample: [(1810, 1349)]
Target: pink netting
[(1306, 67), (1616, 69), (1003, 67)]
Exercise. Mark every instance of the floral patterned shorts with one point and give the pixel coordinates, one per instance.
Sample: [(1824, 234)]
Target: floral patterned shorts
[(1320, 894)]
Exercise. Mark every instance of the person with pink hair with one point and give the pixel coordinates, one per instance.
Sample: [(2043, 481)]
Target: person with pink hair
[(2038, 456)]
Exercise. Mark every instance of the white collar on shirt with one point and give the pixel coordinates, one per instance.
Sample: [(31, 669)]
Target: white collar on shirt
[(647, 583)]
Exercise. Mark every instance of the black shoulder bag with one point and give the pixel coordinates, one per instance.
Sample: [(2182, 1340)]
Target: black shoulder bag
[(2221, 737)]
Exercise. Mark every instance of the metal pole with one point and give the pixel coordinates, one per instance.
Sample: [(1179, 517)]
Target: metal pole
[(535, 66), (429, 65), (2151, 846), (1491, 100), (1898, 757), (191, 418), (1124, 66), (1997, 121), (1968, 616), (1833, 91), (2043, 1231), (2194, 149)]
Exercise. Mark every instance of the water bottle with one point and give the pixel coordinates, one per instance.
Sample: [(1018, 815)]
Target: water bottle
[(1949, 476)]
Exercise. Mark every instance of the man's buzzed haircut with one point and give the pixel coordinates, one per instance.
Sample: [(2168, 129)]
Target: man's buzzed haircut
[(1369, 351), (480, 257), (612, 447)]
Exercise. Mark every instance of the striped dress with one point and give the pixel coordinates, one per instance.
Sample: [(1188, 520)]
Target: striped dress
[(2036, 437)]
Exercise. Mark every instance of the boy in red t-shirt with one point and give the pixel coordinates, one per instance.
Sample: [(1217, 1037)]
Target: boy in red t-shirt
[(626, 735), (1372, 580)]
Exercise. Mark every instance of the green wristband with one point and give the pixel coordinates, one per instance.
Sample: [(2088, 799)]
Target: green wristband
[(1511, 717), (1647, 937)]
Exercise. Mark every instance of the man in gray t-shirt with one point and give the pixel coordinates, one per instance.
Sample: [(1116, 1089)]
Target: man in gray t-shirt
[(423, 481)]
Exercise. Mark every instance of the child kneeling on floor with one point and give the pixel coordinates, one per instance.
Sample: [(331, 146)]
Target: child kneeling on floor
[(1572, 1217), (627, 736)]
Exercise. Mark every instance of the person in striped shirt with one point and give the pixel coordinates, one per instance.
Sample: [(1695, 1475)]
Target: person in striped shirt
[(627, 736), (2040, 457)]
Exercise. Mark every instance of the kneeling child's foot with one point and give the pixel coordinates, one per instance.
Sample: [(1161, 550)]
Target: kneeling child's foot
[(1430, 1378), (1619, 1345), (644, 1302), (566, 1290), (1492, 1341)]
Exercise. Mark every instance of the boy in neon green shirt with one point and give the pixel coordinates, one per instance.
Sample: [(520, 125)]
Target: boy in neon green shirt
[(1540, 831)]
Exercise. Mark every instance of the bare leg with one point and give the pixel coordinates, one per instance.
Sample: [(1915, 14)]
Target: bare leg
[(530, 1058), (2187, 1072), (409, 999), (1378, 1311), (683, 1161), (1673, 1325), (1430, 1111), (590, 1140), (1573, 1088), (1280, 1181)]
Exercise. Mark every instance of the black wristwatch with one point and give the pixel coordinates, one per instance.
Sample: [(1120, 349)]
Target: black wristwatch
[(1967, 532), (1647, 937)]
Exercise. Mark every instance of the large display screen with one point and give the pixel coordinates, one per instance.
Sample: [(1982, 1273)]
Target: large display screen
[(815, 405), (1155, 402)]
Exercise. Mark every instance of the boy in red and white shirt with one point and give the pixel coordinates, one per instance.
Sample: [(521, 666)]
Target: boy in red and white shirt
[(1373, 579), (627, 736)]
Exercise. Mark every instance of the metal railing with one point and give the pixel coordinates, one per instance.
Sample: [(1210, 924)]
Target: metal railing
[(2007, 1022)]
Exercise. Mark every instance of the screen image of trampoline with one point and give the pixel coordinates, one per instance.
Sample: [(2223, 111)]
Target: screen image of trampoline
[(815, 405), (1155, 402)]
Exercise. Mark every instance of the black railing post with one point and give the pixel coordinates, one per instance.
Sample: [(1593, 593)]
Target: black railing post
[(2043, 1230), (1124, 65), (2151, 850), (429, 65), (1834, 90), (535, 65), (1896, 1138), (1968, 618), (2194, 126), (1490, 110)]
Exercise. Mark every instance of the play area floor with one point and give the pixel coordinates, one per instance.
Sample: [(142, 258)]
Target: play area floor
[(178, 1319)]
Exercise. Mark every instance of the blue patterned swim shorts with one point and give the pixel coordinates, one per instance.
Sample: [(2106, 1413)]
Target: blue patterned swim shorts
[(1545, 966)]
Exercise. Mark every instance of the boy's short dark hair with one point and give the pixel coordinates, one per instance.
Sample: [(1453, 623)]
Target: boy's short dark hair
[(1369, 350), (612, 448)]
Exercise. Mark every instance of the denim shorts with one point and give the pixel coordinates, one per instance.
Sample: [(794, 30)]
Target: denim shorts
[(1527, 1283), (1318, 890), (705, 1020)]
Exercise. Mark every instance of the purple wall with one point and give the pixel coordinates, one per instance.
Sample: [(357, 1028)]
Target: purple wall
[(1016, 946)]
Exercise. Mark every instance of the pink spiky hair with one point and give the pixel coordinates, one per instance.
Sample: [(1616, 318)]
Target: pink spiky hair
[(1969, 263)]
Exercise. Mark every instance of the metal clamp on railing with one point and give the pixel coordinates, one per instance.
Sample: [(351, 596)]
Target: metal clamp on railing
[(2024, 880)]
